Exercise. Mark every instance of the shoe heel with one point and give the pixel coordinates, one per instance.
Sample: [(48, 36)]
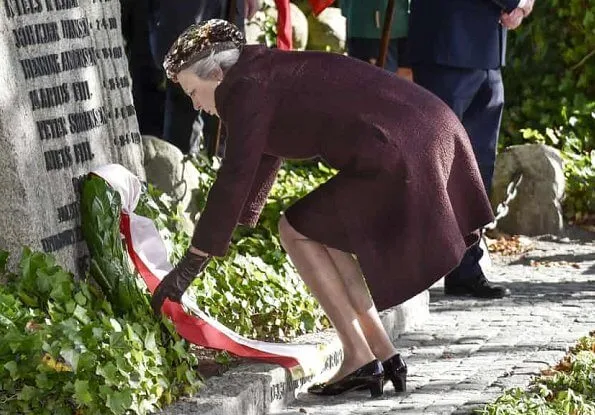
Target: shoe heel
[(399, 382), (375, 387)]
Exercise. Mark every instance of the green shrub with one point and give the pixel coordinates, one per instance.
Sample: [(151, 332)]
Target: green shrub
[(550, 73), (550, 88)]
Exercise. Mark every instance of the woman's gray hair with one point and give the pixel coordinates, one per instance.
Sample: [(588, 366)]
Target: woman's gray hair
[(223, 60)]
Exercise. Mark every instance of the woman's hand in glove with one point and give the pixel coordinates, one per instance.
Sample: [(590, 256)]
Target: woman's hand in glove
[(179, 279)]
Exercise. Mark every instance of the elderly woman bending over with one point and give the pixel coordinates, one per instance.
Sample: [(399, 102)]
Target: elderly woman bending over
[(405, 205)]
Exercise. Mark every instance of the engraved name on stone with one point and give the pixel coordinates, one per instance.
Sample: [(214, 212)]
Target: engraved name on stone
[(53, 63), (17, 8), (58, 95)]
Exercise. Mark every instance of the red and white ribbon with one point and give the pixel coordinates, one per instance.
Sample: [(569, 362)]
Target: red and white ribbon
[(149, 256), (284, 26)]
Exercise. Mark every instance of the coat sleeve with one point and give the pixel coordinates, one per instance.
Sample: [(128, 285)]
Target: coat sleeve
[(248, 124), (264, 180)]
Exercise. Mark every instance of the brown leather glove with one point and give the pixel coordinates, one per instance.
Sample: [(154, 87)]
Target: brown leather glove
[(178, 280)]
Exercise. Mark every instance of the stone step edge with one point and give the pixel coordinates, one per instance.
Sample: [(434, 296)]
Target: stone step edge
[(259, 388)]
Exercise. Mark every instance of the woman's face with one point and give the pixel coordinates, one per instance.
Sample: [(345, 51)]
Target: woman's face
[(201, 91)]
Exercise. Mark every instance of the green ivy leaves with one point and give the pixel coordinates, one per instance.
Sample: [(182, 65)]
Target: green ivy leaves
[(66, 352), (568, 388), (254, 290)]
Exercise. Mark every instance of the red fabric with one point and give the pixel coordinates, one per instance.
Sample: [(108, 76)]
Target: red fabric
[(192, 328), (284, 31), (284, 28), (319, 5)]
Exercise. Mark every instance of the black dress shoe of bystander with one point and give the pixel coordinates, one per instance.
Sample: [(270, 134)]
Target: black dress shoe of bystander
[(478, 287)]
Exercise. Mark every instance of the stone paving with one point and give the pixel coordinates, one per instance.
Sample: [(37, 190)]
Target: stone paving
[(470, 350)]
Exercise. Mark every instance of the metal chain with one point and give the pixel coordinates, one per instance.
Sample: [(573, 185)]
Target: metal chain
[(511, 192)]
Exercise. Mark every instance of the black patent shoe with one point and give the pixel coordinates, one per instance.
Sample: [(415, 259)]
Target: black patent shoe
[(368, 376), (478, 287), (395, 370)]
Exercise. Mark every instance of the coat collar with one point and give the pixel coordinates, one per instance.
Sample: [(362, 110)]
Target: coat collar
[(252, 63)]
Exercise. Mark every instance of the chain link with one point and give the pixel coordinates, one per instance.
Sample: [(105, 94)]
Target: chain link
[(511, 192)]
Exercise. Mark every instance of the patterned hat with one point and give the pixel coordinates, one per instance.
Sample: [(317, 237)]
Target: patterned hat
[(199, 41)]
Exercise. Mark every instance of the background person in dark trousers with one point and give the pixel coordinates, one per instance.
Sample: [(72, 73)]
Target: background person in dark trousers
[(147, 79), (168, 20), (365, 21), (456, 49)]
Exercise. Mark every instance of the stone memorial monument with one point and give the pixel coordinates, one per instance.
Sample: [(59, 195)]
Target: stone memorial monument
[(65, 108)]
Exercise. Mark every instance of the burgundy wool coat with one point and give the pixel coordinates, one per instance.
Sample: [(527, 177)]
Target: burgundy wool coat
[(408, 197)]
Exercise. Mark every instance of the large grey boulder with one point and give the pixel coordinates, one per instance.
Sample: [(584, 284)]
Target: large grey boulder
[(537, 209), (167, 170), (267, 15)]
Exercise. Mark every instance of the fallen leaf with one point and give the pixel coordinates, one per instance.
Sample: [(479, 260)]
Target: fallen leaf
[(509, 245)]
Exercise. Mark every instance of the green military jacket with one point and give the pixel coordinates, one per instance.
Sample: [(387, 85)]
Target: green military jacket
[(365, 18)]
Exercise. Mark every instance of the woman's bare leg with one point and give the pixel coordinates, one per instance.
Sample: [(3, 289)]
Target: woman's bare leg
[(317, 269), (362, 303)]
